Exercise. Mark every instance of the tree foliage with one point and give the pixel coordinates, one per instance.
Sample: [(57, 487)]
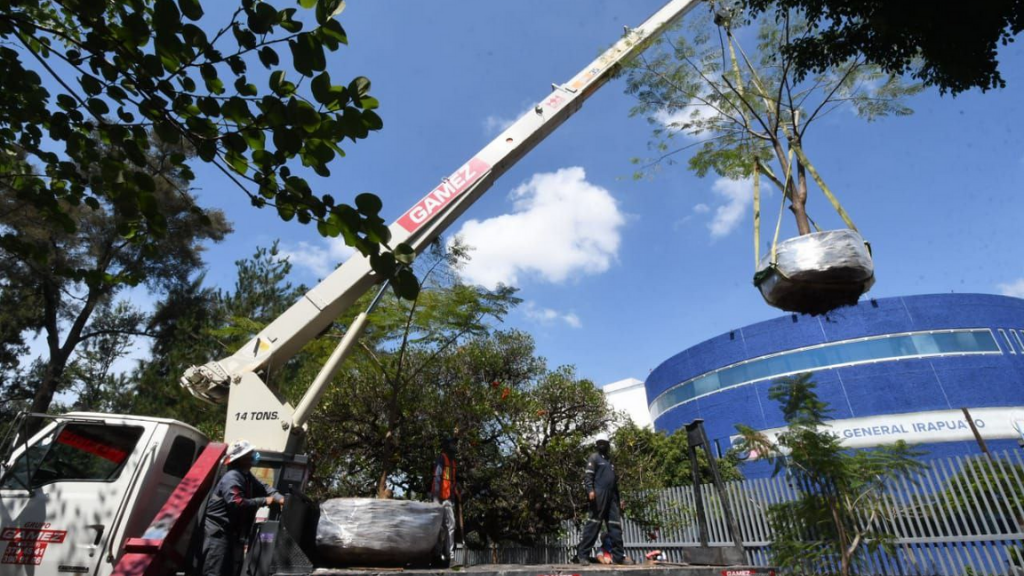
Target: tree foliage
[(839, 515), (139, 74), (195, 324), (71, 310), (436, 367), (945, 43), (741, 113)]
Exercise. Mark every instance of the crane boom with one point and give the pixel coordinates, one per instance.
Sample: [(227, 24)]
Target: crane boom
[(263, 418)]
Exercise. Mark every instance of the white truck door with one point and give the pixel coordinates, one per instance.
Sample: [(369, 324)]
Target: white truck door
[(63, 496)]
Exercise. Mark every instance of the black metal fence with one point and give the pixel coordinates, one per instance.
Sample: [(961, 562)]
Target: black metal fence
[(962, 516)]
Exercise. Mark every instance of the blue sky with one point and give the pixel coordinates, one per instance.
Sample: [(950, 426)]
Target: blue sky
[(618, 275)]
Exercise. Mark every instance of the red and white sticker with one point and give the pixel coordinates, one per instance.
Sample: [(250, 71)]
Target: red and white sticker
[(441, 196), (28, 545), (746, 572)]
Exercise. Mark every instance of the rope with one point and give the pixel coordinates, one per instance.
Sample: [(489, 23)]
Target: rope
[(821, 184), (778, 224), (757, 215)]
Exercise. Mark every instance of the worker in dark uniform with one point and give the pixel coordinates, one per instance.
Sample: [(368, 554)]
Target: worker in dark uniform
[(231, 511), (602, 485), (444, 491)]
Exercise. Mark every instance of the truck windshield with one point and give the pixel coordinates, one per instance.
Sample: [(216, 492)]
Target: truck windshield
[(74, 452)]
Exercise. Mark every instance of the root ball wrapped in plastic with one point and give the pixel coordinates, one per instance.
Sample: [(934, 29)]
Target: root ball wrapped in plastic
[(817, 273), (376, 532)]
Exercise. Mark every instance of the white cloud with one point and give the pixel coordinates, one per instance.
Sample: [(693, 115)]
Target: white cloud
[(561, 226), (1015, 288), (320, 260), (547, 315), (677, 118), (701, 208), (738, 194), (496, 124)]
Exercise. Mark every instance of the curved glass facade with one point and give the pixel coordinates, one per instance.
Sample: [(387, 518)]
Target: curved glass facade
[(831, 355)]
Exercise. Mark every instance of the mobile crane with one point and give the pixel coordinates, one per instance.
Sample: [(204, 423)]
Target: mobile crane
[(105, 494)]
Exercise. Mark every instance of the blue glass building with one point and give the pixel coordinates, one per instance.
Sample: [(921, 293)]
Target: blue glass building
[(891, 369)]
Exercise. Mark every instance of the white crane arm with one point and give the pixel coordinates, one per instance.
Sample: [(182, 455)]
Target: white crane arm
[(418, 227)]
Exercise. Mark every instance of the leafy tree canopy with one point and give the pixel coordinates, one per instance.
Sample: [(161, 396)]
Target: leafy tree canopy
[(945, 43), (137, 73), (72, 310)]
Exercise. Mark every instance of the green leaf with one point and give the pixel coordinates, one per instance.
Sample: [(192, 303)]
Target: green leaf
[(268, 57), (302, 55), (384, 264), (333, 30), (372, 120), (207, 150), (303, 114), (359, 86), (166, 18), (307, 3), (406, 285), (209, 106), (66, 102), (368, 103), (404, 253), (148, 204), (262, 18), (244, 88), (192, 9), (97, 106), (321, 87), (90, 84), (235, 142), (328, 9), (368, 204), (277, 81), (144, 181), (237, 162), (167, 131), (254, 138)]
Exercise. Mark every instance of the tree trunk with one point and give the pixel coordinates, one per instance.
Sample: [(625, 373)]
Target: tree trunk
[(49, 383), (385, 467), (799, 200)]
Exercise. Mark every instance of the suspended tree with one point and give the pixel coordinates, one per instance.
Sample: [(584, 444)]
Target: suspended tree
[(741, 112)]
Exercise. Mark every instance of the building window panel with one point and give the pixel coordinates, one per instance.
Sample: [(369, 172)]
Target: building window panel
[(831, 355), (1009, 344)]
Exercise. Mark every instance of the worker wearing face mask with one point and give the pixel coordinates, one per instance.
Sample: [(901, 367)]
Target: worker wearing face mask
[(602, 486), (231, 511)]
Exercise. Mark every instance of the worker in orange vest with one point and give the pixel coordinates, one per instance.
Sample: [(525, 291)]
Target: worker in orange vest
[(444, 490)]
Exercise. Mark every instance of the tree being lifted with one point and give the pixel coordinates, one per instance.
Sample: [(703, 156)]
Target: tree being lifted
[(751, 113)]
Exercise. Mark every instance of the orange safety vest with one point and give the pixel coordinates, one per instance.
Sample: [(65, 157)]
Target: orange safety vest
[(444, 481)]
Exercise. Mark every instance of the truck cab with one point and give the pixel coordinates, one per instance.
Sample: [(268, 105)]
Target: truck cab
[(75, 490)]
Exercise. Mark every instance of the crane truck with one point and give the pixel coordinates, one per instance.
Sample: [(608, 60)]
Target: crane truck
[(102, 494)]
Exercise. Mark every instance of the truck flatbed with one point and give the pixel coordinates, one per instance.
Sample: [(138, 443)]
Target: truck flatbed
[(560, 570)]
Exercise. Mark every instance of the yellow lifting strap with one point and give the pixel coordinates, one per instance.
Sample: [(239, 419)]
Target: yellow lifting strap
[(757, 214), (782, 208), (821, 184)]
